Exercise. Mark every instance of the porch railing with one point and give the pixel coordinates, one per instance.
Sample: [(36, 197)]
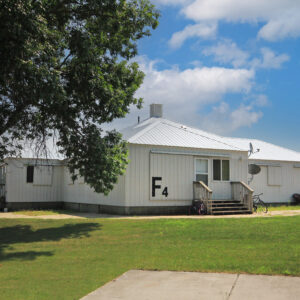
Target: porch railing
[(240, 191), (204, 193)]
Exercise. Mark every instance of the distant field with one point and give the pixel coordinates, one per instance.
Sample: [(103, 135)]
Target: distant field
[(66, 259)]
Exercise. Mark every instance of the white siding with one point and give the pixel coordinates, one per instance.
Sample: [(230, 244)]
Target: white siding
[(68, 177), (277, 180), (274, 175), (18, 190), (177, 172), (290, 181), (79, 192)]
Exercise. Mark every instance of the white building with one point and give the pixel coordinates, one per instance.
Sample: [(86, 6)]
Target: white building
[(165, 160)]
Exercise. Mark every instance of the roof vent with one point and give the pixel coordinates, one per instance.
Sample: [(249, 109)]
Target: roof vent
[(156, 111)]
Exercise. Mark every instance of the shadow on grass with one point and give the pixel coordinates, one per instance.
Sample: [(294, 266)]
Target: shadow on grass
[(20, 234)]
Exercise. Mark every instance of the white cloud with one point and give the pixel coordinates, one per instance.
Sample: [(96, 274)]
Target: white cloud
[(196, 63), (281, 16), (184, 93), (228, 52), (198, 30), (269, 60), (281, 27), (261, 100), (195, 85), (171, 2), (222, 120)]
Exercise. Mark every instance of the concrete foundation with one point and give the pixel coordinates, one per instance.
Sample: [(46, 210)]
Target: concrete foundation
[(12, 206)]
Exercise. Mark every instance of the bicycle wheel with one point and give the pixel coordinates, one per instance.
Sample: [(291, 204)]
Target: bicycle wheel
[(254, 207), (261, 207)]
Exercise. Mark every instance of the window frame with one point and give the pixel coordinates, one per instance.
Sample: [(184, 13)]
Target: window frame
[(221, 169), (195, 168)]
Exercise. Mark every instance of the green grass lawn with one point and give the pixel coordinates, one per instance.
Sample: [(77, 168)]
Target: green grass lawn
[(66, 259), (284, 207)]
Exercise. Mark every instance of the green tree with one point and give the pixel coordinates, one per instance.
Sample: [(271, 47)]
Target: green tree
[(64, 71)]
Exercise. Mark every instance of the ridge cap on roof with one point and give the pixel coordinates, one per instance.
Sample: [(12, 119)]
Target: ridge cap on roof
[(200, 133), (192, 130), (145, 129), (191, 127)]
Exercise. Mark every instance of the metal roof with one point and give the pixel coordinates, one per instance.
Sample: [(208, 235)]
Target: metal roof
[(162, 132), (267, 151)]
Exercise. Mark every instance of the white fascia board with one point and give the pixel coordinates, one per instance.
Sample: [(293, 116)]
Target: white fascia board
[(265, 164), (193, 153)]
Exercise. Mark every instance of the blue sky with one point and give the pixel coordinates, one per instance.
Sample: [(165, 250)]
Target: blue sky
[(226, 66)]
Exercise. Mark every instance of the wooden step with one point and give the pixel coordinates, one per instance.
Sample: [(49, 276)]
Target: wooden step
[(227, 204), (229, 208), (231, 212), (224, 201)]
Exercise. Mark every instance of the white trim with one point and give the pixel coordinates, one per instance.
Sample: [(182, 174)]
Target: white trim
[(193, 153), (266, 164)]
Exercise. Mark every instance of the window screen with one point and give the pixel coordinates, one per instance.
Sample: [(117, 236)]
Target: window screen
[(30, 172), (202, 177), (225, 170), (217, 169)]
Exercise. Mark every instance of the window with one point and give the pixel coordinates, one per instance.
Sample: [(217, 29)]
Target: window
[(202, 170), (225, 170), (43, 175), (221, 170), (217, 169), (30, 171)]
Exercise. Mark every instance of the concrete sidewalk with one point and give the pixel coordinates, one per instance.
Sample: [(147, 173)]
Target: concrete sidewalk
[(165, 285)]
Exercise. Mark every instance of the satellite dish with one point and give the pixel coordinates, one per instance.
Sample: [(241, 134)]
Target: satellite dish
[(253, 169)]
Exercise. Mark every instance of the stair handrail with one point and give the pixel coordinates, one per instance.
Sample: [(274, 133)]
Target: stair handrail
[(240, 191), (204, 193)]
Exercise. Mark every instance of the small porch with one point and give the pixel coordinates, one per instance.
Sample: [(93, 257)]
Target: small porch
[(240, 203)]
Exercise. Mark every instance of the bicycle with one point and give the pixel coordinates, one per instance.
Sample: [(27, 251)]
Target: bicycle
[(198, 208), (259, 206)]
